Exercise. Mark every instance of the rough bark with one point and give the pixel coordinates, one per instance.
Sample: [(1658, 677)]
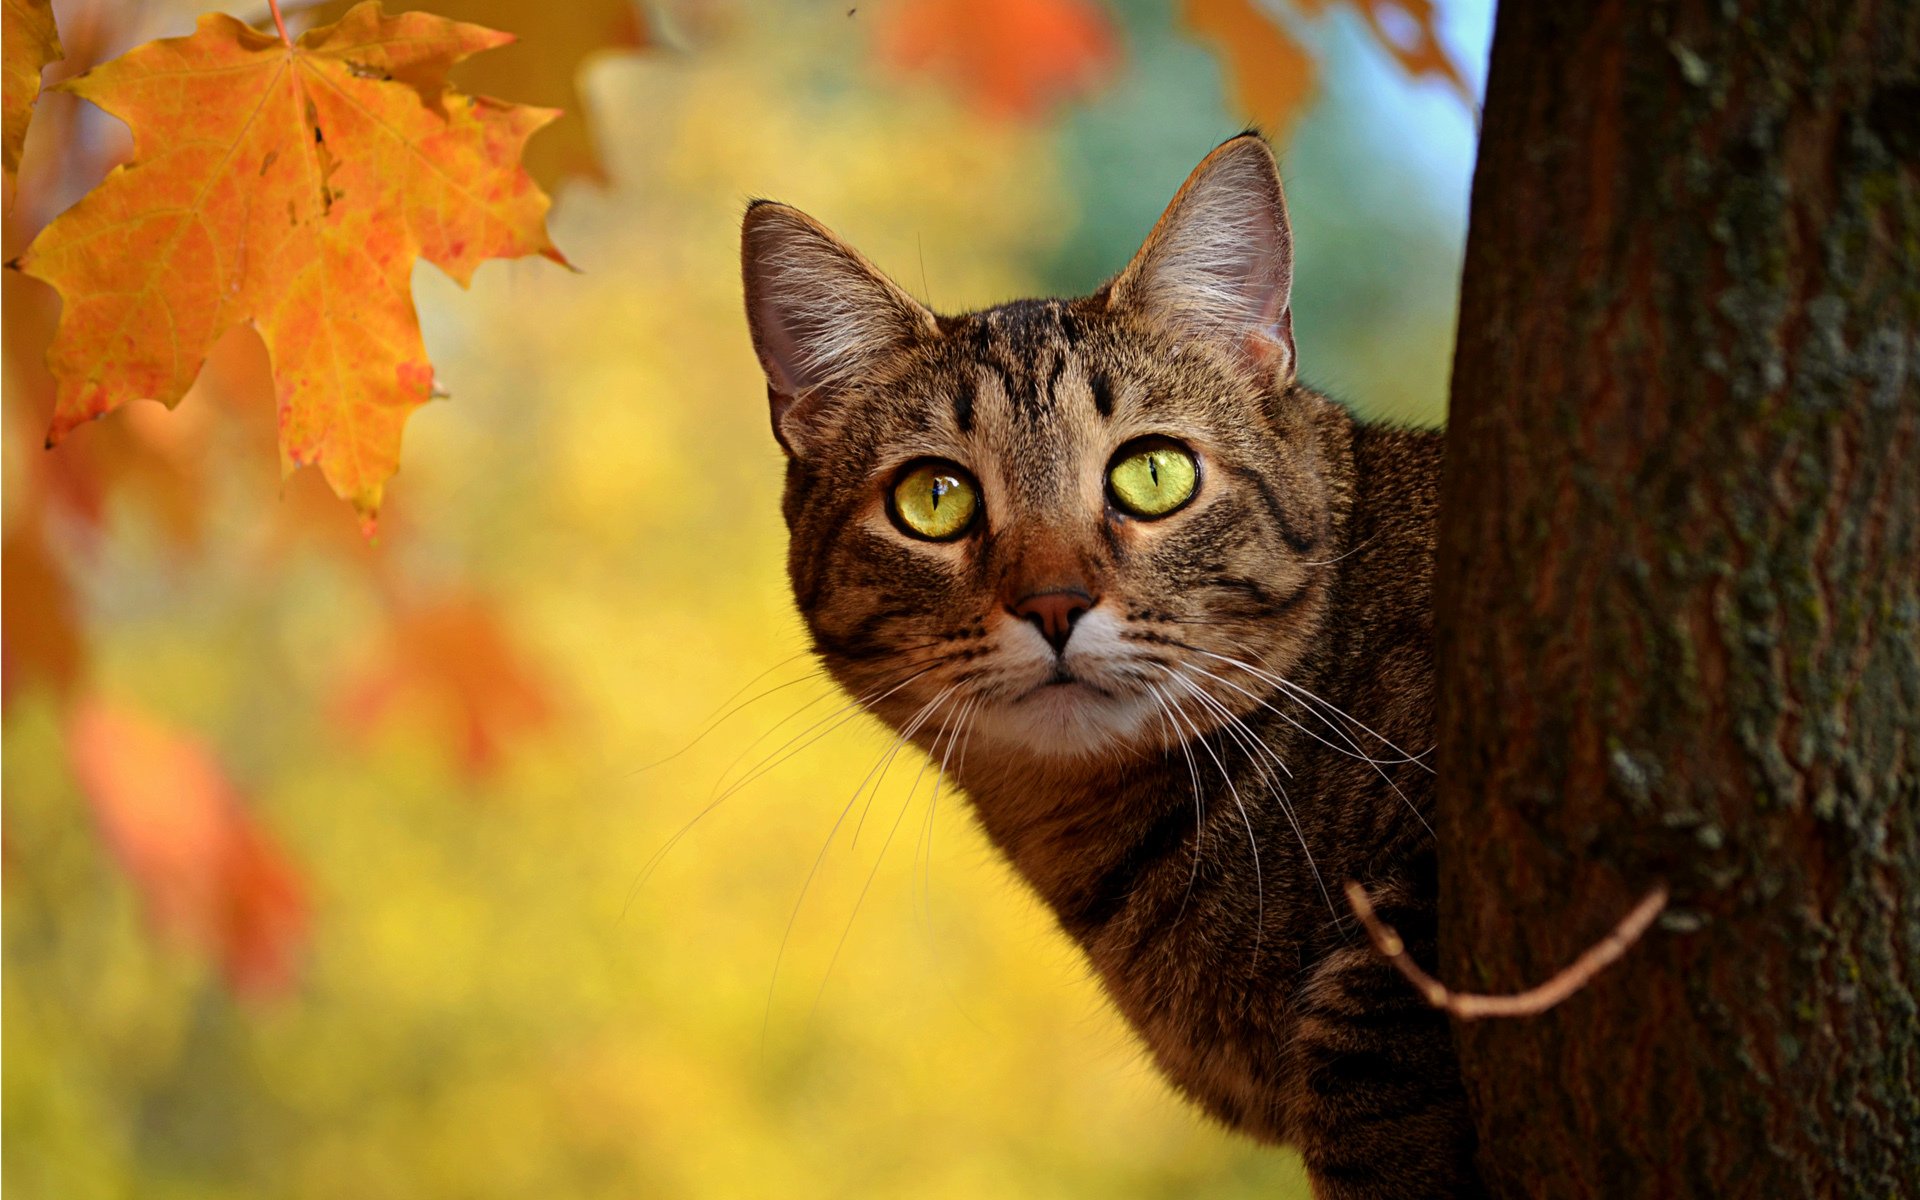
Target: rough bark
[(1679, 598)]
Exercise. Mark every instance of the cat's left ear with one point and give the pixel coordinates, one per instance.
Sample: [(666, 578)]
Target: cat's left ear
[(1219, 264)]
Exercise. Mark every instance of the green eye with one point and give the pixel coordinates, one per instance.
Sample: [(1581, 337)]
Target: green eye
[(935, 500), (1152, 478)]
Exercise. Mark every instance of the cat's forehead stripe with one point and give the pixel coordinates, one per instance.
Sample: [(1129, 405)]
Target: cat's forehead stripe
[(1028, 347), (1102, 392)]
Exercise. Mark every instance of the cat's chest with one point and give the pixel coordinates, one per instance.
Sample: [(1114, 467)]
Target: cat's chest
[(1204, 921)]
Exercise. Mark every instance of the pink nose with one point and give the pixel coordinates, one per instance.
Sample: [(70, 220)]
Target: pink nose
[(1054, 614)]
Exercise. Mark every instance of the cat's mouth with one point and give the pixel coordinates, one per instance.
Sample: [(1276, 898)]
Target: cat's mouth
[(1091, 699), (1062, 678)]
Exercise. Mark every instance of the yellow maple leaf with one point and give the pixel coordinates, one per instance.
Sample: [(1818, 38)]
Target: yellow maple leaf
[(291, 186), (28, 42)]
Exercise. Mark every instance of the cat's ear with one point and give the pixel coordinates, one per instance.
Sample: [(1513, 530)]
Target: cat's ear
[(821, 314), (1219, 264)]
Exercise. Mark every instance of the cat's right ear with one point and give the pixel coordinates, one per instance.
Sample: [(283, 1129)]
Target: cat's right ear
[(822, 316)]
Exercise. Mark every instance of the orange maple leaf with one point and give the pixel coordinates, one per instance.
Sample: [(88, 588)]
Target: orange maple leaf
[(453, 662), (1010, 58), (154, 459), (292, 186), (1271, 74), (28, 42), (543, 67), (205, 869)]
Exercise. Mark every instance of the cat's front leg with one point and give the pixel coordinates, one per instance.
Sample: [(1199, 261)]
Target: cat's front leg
[(1378, 1110)]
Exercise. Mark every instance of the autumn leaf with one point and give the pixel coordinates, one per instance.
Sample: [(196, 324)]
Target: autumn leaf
[(28, 42), (206, 871), (152, 458), (1271, 74), (292, 187), (541, 68), (40, 643), (1406, 29), (1009, 58), (451, 662)]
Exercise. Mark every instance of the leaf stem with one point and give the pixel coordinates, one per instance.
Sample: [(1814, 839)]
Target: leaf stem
[(279, 22)]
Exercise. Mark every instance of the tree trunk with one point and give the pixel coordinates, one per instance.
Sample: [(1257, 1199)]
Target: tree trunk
[(1679, 598)]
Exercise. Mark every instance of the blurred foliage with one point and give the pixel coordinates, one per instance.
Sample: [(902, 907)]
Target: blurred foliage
[(439, 744)]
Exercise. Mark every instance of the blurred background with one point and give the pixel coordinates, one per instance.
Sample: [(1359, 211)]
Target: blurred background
[(393, 868)]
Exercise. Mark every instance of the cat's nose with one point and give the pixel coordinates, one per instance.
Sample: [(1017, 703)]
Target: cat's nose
[(1054, 613)]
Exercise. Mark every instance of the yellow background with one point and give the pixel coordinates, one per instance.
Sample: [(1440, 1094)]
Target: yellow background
[(494, 1003)]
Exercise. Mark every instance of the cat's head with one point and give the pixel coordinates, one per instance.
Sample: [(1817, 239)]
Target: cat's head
[(1057, 523)]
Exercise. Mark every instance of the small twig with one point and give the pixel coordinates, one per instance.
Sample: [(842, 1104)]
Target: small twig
[(1470, 1006), (279, 22)]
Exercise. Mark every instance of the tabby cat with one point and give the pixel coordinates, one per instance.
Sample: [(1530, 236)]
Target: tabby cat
[(1163, 613)]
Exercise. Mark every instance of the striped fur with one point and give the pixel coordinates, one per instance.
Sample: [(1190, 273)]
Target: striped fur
[(1233, 726)]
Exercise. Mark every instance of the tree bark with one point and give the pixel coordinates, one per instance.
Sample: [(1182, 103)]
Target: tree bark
[(1679, 598)]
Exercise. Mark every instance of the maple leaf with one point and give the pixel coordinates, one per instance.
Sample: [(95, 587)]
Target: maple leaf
[(1010, 58), (542, 68), (1406, 28), (28, 42), (453, 661), (293, 187), (152, 458), (1270, 72), (206, 871)]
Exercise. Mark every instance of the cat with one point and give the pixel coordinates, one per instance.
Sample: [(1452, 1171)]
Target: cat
[(1164, 614)]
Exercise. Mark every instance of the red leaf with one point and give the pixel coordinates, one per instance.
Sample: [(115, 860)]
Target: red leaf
[(207, 872), (453, 662), (1009, 58)]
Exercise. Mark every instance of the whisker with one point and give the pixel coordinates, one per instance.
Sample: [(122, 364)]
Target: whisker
[(929, 661), (965, 723), (1199, 809), (1351, 750), (1253, 846), (879, 858), (961, 724), (862, 703), (848, 711), (1354, 752), (1351, 550), (887, 757), (1309, 697), (1249, 741), (723, 712)]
